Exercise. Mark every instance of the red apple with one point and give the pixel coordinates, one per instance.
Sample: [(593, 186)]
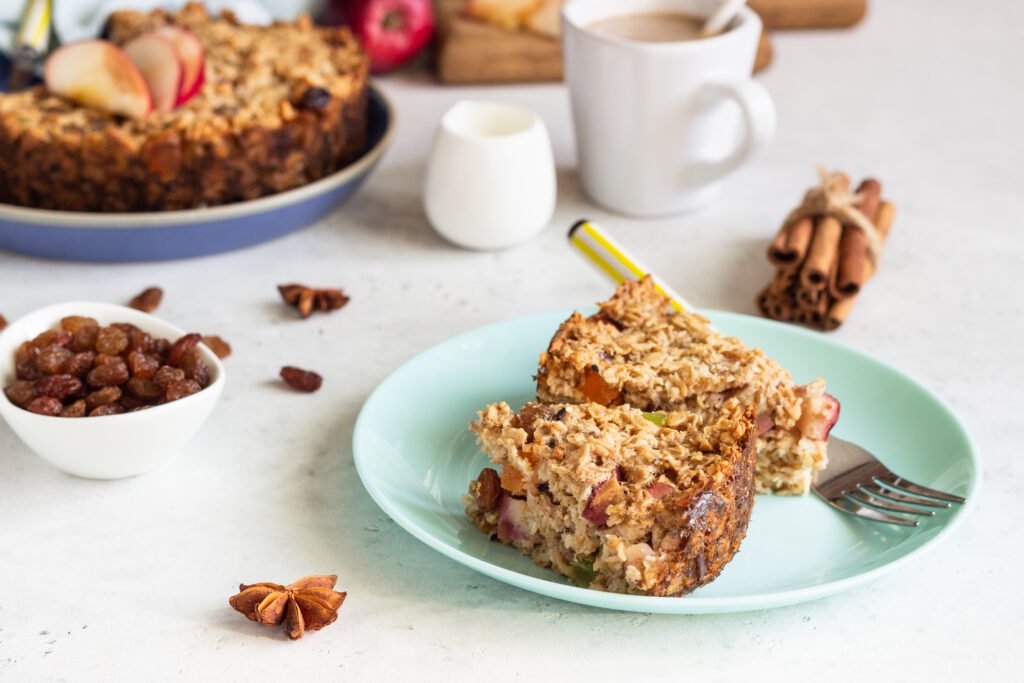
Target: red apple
[(159, 64), (193, 60), (391, 31), (97, 73)]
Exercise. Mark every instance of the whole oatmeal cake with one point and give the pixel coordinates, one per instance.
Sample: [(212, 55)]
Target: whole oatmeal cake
[(611, 498), (640, 351), (281, 106)]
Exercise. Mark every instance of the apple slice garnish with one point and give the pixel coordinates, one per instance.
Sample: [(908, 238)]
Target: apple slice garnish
[(160, 67), (193, 60), (97, 73)]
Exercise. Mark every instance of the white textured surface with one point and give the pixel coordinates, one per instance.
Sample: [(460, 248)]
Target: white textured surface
[(129, 580)]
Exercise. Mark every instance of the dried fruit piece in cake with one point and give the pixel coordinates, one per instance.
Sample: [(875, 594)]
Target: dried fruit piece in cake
[(640, 351), (612, 500)]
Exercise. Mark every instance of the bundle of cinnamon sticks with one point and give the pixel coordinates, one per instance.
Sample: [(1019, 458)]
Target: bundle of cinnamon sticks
[(825, 251)]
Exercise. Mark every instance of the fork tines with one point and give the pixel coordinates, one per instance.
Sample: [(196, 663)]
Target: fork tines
[(856, 483)]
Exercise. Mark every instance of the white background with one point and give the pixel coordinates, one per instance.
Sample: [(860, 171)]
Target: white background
[(129, 580)]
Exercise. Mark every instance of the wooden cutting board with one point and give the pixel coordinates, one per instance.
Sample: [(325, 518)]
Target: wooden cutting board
[(470, 51), (809, 13)]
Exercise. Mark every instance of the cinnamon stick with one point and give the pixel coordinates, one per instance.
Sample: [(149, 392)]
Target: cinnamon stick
[(836, 315), (813, 301), (764, 299), (790, 245), (822, 254), (839, 310), (776, 301), (854, 265), (886, 212), (781, 308), (810, 299)]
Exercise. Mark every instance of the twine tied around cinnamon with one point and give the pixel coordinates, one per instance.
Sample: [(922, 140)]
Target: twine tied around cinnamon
[(833, 198)]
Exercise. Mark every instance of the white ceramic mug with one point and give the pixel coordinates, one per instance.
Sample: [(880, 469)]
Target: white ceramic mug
[(491, 176), (657, 124)]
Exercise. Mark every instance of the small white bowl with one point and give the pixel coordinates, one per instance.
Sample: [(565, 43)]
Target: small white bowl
[(114, 446)]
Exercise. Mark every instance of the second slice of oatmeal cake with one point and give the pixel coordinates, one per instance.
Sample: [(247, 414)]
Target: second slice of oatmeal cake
[(640, 351)]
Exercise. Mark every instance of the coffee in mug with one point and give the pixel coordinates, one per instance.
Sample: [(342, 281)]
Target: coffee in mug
[(653, 27)]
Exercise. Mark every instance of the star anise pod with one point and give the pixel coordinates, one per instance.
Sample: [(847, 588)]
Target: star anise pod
[(309, 299), (307, 604)]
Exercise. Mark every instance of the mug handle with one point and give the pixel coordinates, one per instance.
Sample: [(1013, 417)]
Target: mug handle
[(758, 122)]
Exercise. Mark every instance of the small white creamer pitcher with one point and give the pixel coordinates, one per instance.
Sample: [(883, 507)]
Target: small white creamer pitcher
[(491, 176)]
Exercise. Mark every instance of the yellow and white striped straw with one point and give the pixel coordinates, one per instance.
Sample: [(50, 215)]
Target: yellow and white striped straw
[(609, 257), (34, 31)]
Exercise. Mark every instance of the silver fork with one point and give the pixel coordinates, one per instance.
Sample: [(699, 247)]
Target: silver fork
[(857, 483)]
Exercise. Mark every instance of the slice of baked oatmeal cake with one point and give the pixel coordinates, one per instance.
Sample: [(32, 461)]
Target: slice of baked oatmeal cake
[(616, 499), (640, 351)]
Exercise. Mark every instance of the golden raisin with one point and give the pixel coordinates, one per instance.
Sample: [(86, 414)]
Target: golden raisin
[(102, 397), (303, 380), (182, 348), (111, 340), (220, 348), (143, 389), (195, 368), (21, 393), (108, 409), (148, 300), (76, 409), (108, 375), (142, 365), (53, 359), (85, 338), (44, 405), (488, 490), (58, 386), (80, 364), (167, 375), (179, 390), (75, 323)]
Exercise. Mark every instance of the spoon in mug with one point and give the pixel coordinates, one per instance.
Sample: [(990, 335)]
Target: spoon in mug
[(721, 17)]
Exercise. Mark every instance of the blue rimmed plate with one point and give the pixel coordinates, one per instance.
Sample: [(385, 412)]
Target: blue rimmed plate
[(416, 459), (157, 236)]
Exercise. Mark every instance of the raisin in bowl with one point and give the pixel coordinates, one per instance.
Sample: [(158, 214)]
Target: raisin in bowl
[(116, 437)]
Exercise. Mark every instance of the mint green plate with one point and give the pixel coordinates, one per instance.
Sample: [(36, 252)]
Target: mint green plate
[(416, 459)]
